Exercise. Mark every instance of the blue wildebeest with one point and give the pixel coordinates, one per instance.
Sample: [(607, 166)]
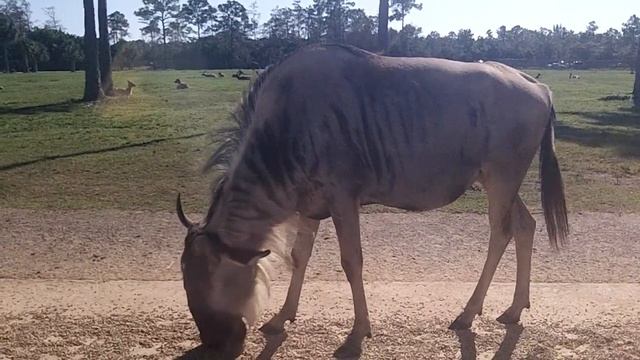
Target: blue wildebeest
[(331, 128)]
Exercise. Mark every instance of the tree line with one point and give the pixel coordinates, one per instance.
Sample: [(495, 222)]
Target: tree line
[(28, 48), (229, 35), (195, 34)]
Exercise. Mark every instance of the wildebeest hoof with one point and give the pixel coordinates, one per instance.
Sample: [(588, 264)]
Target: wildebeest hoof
[(271, 329), (507, 318), (352, 346), (460, 324), (348, 351)]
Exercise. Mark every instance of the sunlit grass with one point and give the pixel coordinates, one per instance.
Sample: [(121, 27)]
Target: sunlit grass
[(598, 145)]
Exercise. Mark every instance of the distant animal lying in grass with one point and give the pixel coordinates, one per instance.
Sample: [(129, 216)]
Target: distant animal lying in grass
[(615, 97), (241, 77), (240, 72), (538, 76), (573, 76), (220, 74), (205, 74), (180, 85), (124, 92)]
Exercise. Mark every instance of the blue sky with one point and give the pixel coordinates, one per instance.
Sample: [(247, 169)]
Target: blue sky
[(439, 15)]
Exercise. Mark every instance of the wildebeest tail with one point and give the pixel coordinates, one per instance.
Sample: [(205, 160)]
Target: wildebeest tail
[(552, 187)]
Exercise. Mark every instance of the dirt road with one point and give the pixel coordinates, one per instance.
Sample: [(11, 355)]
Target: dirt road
[(105, 285)]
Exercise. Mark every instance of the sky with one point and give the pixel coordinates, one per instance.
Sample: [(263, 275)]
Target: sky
[(437, 15)]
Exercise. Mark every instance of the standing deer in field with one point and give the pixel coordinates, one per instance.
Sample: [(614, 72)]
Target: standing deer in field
[(124, 92), (331, 128)]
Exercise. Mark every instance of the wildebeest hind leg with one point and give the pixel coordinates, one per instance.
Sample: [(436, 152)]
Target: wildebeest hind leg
[(524, 227), (502, 187)]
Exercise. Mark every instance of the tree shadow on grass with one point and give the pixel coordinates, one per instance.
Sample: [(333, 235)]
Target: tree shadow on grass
[(625, 116), (96, 151), (605, 130), (61, 107), (625, 144)]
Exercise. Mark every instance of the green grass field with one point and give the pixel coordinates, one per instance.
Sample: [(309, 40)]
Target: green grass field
[(137, 153)]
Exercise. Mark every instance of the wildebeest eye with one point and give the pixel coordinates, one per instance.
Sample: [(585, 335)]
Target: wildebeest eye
[(239, 255), (246, 257)]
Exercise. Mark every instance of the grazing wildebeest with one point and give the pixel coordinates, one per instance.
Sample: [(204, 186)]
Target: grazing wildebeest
[(220, 74), (206, 74), (333, 127)]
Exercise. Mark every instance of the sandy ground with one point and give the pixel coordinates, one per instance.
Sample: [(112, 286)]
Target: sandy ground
[(105, 285)]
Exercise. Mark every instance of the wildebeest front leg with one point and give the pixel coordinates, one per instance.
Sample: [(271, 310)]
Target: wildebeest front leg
[(300, 254), (346, 219)]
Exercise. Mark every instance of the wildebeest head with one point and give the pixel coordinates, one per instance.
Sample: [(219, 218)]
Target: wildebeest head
[(221, 283)]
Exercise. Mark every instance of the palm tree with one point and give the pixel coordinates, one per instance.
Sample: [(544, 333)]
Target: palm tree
[(383, 25), (8, 34), (104, 49), (92, 89)]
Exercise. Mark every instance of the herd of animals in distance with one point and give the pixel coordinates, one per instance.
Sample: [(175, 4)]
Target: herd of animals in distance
[(181, 85), (240, 75)]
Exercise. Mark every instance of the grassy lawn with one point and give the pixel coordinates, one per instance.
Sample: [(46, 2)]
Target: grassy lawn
[(137, 153)]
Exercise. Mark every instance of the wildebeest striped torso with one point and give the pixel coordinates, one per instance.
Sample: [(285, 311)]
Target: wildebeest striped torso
[(406, 133)]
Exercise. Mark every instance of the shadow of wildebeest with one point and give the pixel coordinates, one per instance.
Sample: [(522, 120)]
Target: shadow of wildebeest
[(467, 340), (273, 343)]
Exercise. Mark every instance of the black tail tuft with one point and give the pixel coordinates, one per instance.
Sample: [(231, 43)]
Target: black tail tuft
[(552, 188)]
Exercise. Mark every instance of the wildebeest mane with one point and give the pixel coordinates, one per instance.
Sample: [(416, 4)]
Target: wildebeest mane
[(230, 138)]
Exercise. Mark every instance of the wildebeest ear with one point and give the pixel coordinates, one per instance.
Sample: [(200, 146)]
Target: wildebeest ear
[(246, 257)]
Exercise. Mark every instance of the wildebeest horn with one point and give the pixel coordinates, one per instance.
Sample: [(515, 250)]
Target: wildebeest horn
[(181, 215)]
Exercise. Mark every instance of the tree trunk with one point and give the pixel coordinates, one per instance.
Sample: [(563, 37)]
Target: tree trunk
[(636, 85), (383, 25), (104, 49), (164, 44), (5, 50), (25, 60), (164, 32), (92, 90), (35, 65)]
